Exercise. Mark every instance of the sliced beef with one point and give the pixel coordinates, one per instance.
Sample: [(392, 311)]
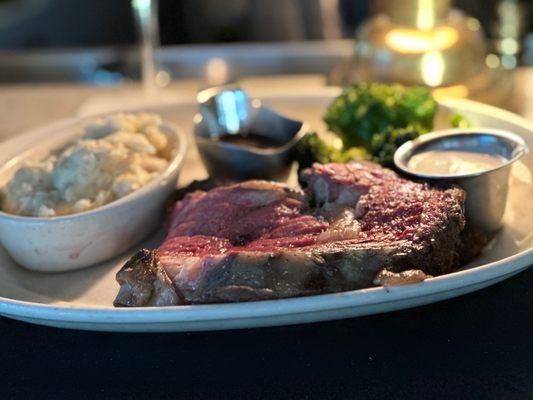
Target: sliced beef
[(390, 209), (263, 240), (144, 283), (203, 185)]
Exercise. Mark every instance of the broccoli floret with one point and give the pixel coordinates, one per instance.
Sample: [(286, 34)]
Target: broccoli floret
[(353, 153), (384, 144), (313, 149), (373, 120), (367, 109), (459, 121)]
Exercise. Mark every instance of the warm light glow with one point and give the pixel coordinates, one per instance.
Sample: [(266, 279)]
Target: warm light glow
[(492, 61), (413, 41), (432, 68), (473, 24), (456, 91), (425, 18), (509, 46)]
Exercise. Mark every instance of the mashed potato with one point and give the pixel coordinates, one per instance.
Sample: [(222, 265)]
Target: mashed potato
[(116, 156)]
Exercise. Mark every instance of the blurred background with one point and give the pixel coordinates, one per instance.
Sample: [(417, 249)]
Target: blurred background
[(462, 48), (56, 24)]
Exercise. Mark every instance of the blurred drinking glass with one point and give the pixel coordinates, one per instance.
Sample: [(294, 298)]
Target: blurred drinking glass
[(146, 19)]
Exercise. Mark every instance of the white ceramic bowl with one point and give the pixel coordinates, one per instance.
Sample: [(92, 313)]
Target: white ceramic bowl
[(79, 240)]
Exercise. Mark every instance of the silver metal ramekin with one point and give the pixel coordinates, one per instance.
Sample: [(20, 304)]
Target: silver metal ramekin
[(486, 191), (230, 111)]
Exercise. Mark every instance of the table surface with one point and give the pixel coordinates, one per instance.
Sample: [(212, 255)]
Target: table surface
[(478, 346)]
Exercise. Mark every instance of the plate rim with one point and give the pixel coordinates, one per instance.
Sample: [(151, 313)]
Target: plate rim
[(294, 305), (272, 308)]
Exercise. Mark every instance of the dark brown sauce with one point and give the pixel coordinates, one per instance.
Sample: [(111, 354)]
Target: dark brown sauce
[(251, 140)]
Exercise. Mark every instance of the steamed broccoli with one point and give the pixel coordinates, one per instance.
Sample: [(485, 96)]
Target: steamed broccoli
[(314, 149), (373, 120), (459, 121), (384, 144), (368, 109)]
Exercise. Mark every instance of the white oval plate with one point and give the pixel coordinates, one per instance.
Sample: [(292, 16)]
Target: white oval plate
[(83, 299)]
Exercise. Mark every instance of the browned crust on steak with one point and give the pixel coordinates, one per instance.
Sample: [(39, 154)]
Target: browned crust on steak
[(144, 283), (251, 277)]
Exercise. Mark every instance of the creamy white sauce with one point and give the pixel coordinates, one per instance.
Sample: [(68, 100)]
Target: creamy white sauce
[(453, 162)]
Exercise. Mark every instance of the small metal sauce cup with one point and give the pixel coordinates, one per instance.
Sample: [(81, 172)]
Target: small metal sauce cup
[(486, 191), (230, 111)]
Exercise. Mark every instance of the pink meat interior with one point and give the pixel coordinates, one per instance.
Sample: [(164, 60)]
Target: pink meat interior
[(269, 217)]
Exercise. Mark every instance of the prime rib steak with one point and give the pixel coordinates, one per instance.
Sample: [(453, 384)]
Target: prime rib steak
[(263, 240)]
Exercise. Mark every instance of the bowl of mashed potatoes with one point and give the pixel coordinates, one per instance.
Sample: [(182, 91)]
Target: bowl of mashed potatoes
[(88, 190)]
